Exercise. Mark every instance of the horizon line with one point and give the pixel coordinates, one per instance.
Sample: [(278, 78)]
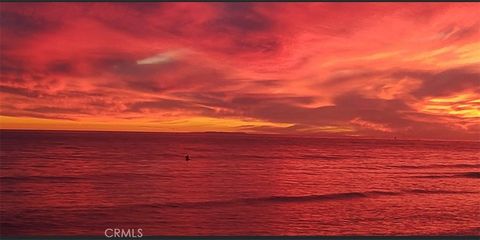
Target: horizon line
[(311, 135)]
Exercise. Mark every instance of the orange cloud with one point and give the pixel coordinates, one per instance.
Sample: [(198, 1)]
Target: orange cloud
[(359, 69), (371, 125)]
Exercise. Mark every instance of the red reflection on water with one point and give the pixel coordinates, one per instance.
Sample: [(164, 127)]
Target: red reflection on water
[(82, 183)]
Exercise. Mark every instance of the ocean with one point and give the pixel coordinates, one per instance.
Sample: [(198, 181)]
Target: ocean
[(63, 183)]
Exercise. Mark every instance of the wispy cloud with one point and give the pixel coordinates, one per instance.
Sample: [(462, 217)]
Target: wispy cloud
[(160, 58), (371, 69)]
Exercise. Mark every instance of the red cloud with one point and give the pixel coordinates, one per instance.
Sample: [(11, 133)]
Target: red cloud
[(371, 68)]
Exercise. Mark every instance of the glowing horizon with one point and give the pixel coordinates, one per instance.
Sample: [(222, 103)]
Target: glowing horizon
[(409, 70)]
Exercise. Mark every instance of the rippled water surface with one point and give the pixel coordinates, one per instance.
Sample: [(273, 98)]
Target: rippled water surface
[(80, 183)]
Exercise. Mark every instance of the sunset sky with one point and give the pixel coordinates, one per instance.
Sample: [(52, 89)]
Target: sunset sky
[(410, 70)]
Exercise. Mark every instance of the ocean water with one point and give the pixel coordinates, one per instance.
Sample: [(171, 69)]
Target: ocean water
[(81, 183)]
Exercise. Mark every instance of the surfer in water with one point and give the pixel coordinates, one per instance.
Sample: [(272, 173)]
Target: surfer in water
[(187, 157)]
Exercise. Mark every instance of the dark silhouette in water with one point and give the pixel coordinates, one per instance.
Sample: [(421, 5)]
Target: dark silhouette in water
[(187, 157)]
